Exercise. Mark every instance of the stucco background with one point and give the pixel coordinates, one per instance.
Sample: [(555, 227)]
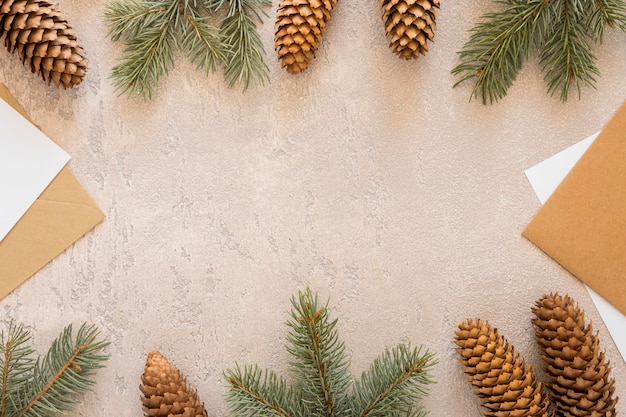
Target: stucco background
[(367, 178)]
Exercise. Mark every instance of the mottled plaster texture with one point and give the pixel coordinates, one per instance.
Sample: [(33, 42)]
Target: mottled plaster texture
[(368, 178)]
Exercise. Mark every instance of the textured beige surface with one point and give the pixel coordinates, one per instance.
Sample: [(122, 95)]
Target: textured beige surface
[(366, 177)]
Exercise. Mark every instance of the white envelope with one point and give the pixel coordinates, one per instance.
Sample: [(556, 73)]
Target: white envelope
[(29, 161)]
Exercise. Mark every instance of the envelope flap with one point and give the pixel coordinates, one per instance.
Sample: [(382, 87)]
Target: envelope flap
[(66, 188)]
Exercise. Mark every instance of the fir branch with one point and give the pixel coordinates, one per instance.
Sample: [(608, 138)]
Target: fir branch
[(16, 364), (257, 392), (322, 370), (63, 373), (498, 46), (244, 64), (566, 56), (394, 383)]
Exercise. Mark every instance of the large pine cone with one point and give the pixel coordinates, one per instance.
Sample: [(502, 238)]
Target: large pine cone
[(165, 391), (43, 40), (578, 373), (500, 378), (410, 24), (299, 27)]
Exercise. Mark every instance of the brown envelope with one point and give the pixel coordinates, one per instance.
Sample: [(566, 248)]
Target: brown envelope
[(61, 215), (583, 224)]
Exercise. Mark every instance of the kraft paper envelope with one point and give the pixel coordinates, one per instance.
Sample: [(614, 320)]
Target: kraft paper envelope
[(583, 223), (61, 215)]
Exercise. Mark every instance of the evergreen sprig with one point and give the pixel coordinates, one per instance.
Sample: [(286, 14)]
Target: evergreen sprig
[(153, 29), (563, 31), (37, 387), (323, 385)]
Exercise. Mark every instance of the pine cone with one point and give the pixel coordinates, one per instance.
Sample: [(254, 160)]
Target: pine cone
[(410, 24), (499, 376), (577, 370), (165, 391), (299, 27), (43, 39)]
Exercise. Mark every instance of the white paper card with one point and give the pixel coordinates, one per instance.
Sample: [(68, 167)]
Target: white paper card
[(29, 161), (545, 177)]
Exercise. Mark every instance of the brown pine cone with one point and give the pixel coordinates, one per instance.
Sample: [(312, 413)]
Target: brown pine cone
[(410, 24), (578, 372), (44, 40), (500, 378), (299, 27), (165, 391)]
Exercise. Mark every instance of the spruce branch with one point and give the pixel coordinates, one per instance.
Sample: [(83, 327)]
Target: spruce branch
[(319, 356), (260, 392), (322, 383), (201, 41), (611, 13), (16, 363), (497, 48), (149, 55), (395, 382), (49, 385), (244, 63), (63, 374), (563, 31), (129, 18), (152, 30), (566, 56)]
